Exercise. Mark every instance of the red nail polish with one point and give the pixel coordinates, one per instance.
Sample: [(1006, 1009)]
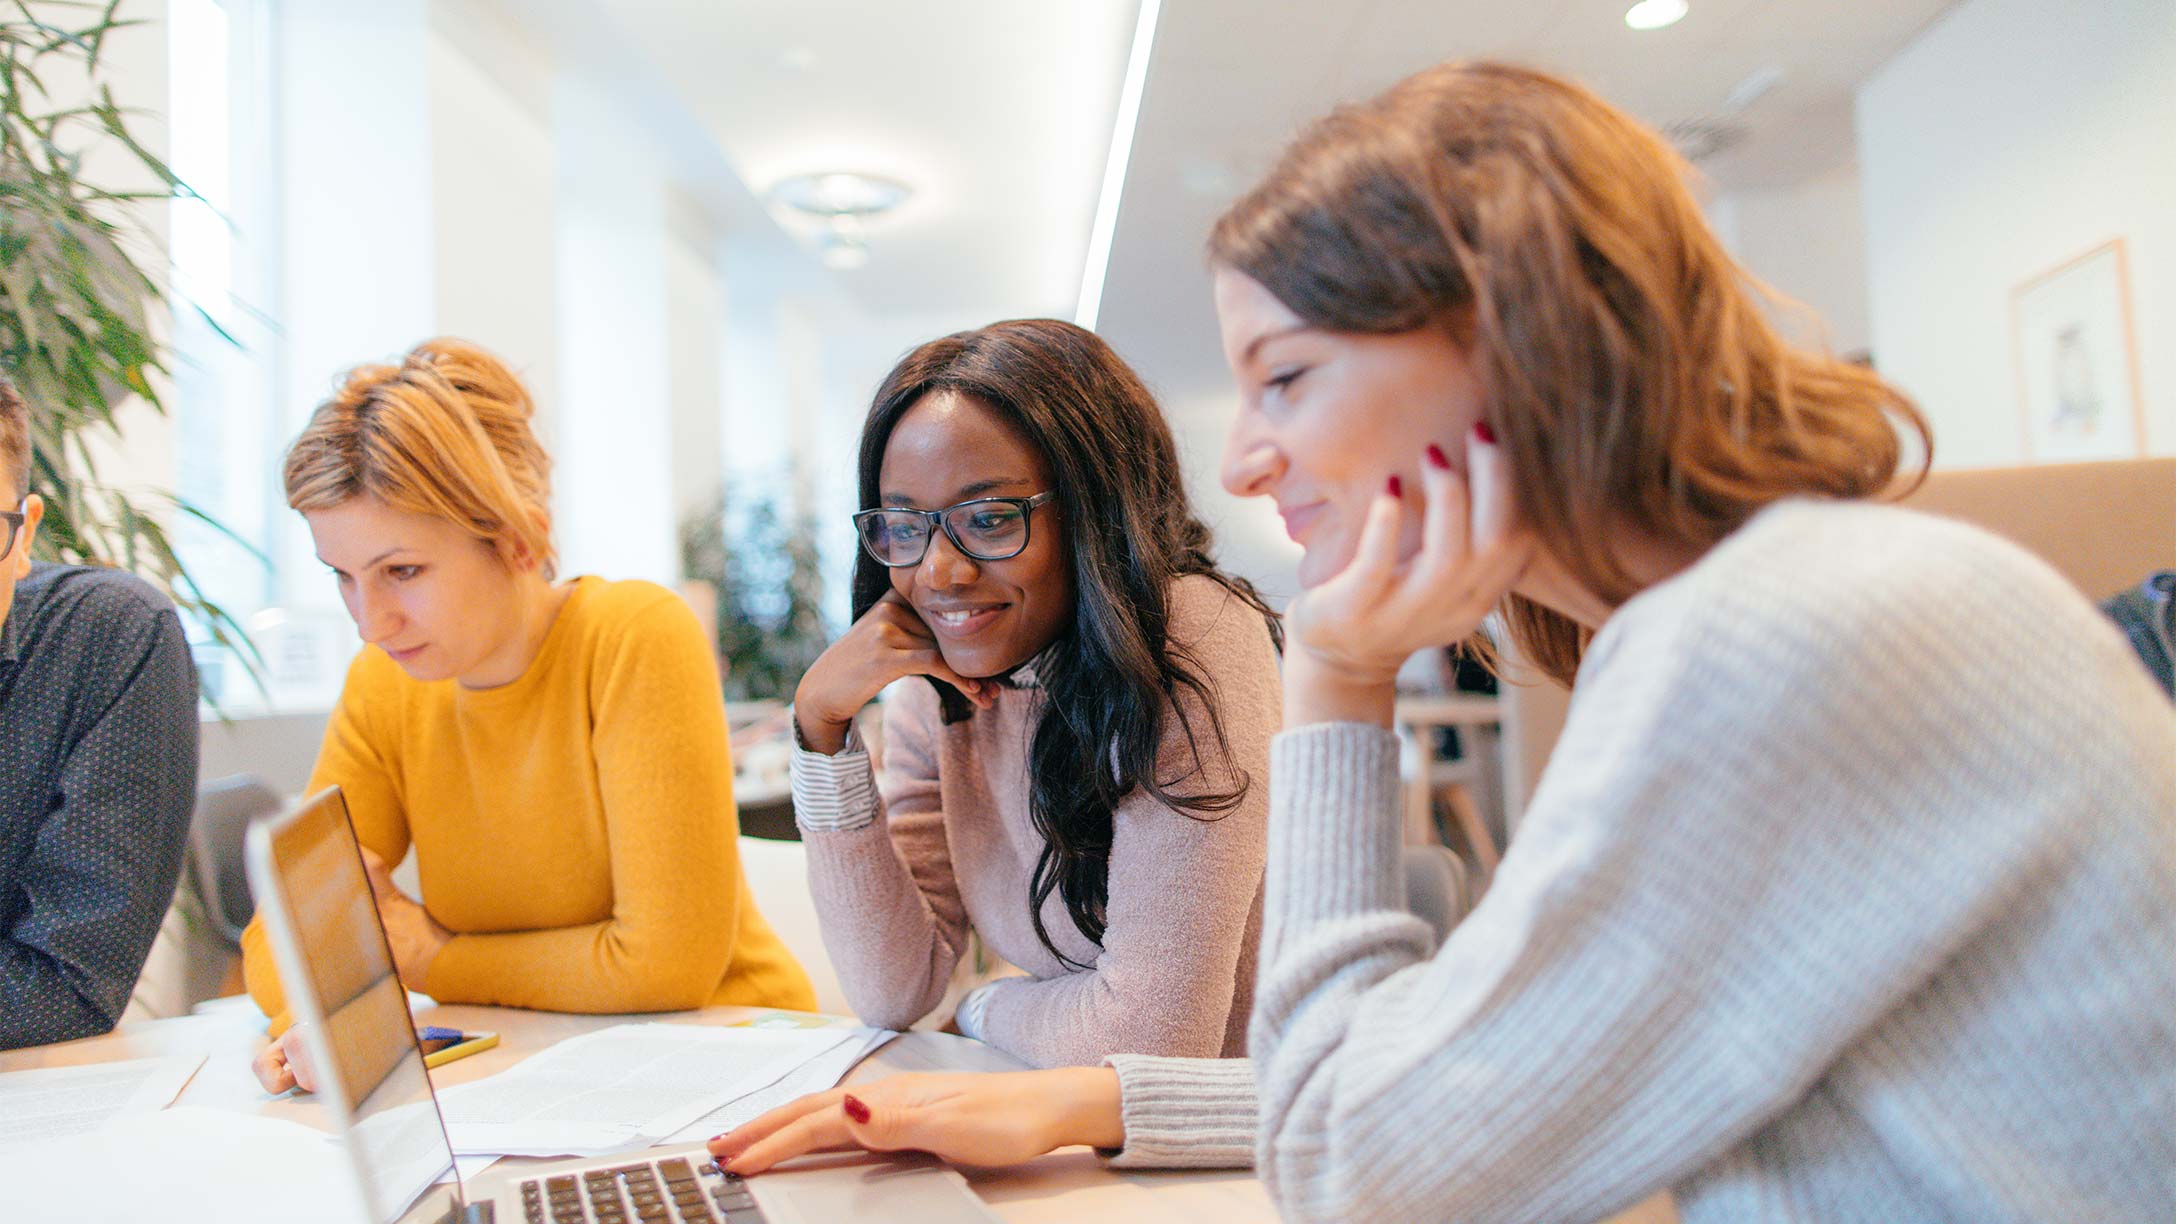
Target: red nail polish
[(1483, 432), (1396, 487), (1435, 456), (856, 1110)]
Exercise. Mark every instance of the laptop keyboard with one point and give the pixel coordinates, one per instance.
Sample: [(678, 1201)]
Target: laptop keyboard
[(670, 1191)]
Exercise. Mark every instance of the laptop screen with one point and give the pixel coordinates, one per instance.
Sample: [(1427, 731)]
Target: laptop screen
[(370, 1072)]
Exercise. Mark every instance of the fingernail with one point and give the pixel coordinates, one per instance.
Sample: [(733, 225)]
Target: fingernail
[(1483, 432), (1435, 456), (1396, 487), (855, 1109)]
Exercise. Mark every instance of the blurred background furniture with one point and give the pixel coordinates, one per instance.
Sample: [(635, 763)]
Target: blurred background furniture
[(2104, 526), (1454, 784)]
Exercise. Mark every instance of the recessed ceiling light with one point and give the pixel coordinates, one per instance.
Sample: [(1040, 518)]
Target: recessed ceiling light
[(839, 201), (840, 193), (1654, 14)]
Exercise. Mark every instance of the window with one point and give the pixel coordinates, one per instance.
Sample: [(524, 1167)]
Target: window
[(223, 251)]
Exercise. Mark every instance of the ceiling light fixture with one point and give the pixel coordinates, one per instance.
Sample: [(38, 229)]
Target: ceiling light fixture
[(840, 202), (1654, 14)]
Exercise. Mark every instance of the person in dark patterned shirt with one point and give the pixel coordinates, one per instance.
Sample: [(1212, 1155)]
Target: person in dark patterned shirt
[(98, 749)]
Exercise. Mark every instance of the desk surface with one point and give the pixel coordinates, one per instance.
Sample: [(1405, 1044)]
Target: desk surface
[(1070, 1184)]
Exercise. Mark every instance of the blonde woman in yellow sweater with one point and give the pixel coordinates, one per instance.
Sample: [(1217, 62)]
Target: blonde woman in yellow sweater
[(555, 751)]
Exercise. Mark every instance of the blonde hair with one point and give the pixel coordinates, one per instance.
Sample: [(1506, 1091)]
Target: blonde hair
[(446, 433), (1627, 367)]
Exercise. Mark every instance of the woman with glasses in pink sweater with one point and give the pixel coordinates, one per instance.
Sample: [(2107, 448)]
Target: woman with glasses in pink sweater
[(1075, 766)]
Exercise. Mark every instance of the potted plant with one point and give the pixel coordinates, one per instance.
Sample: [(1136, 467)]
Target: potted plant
[(76, 309), (766, 571)]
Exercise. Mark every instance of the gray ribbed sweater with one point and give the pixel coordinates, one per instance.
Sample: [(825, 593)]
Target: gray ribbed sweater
[(1849, 894)]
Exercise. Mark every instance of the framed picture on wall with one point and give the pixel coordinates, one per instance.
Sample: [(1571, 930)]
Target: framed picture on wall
[(2077, 360)]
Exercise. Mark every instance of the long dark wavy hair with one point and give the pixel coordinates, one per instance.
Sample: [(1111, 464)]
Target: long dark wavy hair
[(1114, 675)]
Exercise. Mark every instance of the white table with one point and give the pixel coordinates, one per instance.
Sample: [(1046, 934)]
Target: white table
[(1067, 1185), (1071, 1184)]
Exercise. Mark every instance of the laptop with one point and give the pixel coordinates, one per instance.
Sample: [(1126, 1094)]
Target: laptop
[(307, 873)]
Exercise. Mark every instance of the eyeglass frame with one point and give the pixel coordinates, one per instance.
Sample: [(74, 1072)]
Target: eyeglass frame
[(15, 519), (1026, 506)]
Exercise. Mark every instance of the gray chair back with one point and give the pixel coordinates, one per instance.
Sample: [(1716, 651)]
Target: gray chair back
[(224, 808), (1438, 889)]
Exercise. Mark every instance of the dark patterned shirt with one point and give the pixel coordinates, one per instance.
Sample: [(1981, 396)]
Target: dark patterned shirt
[(98, 742)]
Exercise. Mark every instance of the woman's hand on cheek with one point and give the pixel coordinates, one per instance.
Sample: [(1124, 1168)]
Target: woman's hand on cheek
[(1350, 635), (888, 642)]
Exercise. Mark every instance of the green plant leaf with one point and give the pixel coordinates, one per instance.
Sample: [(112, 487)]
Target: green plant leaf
[(76, 309)]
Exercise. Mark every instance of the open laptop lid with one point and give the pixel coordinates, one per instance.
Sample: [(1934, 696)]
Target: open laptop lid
[(306, 872)]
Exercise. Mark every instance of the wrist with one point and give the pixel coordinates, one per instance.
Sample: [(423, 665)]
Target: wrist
[(438, 938), (1090, 1111), (1320, 690), (818, 732)]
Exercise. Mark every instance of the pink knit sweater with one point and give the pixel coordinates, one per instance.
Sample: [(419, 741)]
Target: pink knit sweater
[(952, 847)]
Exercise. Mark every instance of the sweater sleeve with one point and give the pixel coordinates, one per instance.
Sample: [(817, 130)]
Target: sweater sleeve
[(885, 897), (1183, 884), (665, 774), (1185, 1113), (358, 760), (1735, 865)]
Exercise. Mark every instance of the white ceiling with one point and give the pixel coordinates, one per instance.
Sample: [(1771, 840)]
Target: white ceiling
[(997, 112), (1227, 89)]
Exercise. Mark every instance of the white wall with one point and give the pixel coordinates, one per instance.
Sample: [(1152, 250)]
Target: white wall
[(355, 246), (1808, 243), (695, 322), (614, 462), (438, 170), (2008, 138), (494, 178)]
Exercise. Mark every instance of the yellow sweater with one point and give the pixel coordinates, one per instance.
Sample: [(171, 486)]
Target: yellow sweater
[(574, 829)]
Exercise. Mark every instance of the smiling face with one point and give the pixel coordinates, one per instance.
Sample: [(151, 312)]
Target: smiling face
[(988, 616), (1326, 418), (436, 599)]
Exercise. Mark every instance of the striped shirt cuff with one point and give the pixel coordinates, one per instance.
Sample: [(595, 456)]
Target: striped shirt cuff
[(833, 792), (972, 1010), (1197, 1113)]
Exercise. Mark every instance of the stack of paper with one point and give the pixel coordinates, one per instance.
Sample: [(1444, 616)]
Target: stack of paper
[(623, 1087), (55, 1102), (200, 1166), (815, 1075)]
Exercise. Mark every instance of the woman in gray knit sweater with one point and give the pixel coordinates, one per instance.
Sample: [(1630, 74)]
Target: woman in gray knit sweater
[(1827, 906)]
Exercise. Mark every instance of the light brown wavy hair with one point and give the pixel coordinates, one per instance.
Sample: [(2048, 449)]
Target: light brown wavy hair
[(1627, 368), (447, 433)]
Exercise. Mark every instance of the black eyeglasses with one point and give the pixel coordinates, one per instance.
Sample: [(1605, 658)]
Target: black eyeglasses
[(14, 525), (987, 529)]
